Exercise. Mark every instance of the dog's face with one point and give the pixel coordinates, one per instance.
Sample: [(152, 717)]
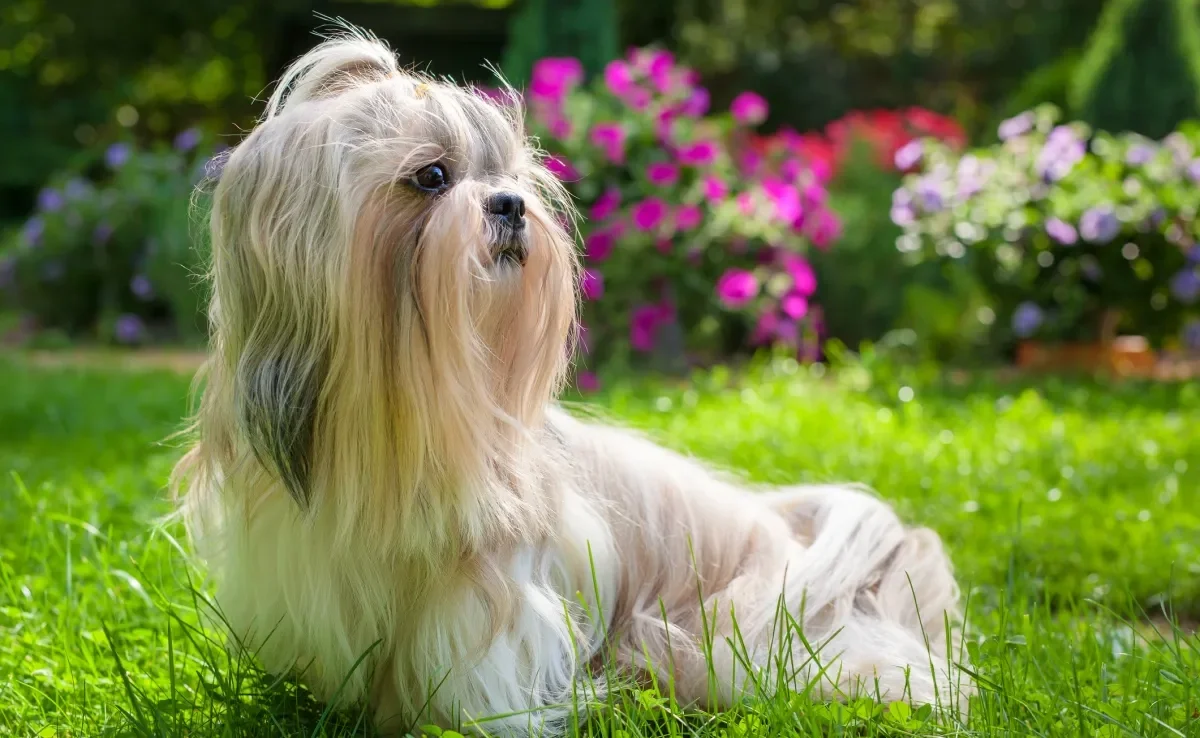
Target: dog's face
[(391, 276)]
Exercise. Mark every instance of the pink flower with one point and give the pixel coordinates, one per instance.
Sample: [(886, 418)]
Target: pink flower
[(664, 125), (785, 197), (662, 174), (697, 104), (606, 204), (561, 168), (826, 230), (553, 77), (787, 331), (644, 323), (790, 170), (814, 194), (749, 162), (688, 217), (587, 382), (618, 77), (745, 203), (649, 214), (737, 287), (804, 279), (559, 127), (592, 284), (599, 245), (749, 108), (764, 330), (794, 305), (698, 154), (661, 65), (715, 188), (610, 138)]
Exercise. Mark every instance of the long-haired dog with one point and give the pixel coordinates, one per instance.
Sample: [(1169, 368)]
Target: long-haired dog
[(391, 503)]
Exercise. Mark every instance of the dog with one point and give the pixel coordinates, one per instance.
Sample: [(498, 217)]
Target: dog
[(392, 504)]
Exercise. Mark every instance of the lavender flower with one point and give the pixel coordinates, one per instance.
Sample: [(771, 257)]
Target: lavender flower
[(187, 139), (1193, 254), (1186, 285), (32, 231), (1016, 126), (1063, 150), (1061, 231), (141, 287), (1138, 155), (78, 188), (50, 200), (929, 195), (1191, 335), (1026, 319), (129, 329), (909, 154), (116, 155), (903, 213), (1098, 225), (972, 174), (1193, 170)]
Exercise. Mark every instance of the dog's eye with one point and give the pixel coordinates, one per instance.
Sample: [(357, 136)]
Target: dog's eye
[(432, 178)]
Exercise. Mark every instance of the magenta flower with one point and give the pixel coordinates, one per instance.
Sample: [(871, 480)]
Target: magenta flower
[(688, 217), (648, 214), (749, 162), (715, 189), (794, 305), (749, 108), (553, 77), (559, 127), (591, 283), (610, 138), (606, 204), (698, 154), (791, 170), (599, 245), (804, 279), (587, 382), (664, 125), (662, 174), (664, 245), (826, 230), (737, 287), (659, 69), (696, 104), (785, 198), (644, 323), (745, 203), (561, 168), (619, 79), (765, 329)]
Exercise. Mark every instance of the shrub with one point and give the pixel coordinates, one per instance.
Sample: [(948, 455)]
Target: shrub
[(109, 252), (694, 233), (1076, 234)]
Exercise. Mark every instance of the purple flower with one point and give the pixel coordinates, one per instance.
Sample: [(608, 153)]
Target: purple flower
[(688, 217), (599, 245), (1063, 150), (117, 155), (141, 287), (587, 382), (1061, 231), (1018, 125), (825, 229), (644, 323), (606, 204), (1191, 335), (561, 168), (1098, 225), (1186, 285), (1138, 155), (749, 108), (698, 154), (610, 138), (697, 103), (903, 213), (737, 287), (591, 283), (972, 173), (929, 195), (662, 173), (50, 200), (1193, 254), (1193, 170), (102, 233), (129, 329), (187, 139), (32, 231), (77, 188), (648, 214), (909, 154), (553, 77), (1026, 319)]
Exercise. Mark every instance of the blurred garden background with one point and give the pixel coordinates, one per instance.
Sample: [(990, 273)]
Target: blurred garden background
[(946, 248)]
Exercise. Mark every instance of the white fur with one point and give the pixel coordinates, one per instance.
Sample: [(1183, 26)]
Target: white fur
[(380, 472)]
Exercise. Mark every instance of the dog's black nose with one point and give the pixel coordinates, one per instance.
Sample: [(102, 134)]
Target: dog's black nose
[(509, 207)]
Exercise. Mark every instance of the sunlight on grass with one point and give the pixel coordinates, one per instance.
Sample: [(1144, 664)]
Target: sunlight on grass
[(1069, 509)]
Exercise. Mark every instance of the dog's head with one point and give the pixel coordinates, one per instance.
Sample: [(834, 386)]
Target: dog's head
[(392, 284)]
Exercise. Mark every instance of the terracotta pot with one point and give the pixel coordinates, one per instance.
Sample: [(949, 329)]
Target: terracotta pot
[(1124, 356)]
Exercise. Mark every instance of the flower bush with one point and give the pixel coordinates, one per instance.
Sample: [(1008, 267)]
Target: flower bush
[(1076, 233), (109, 251), (694, 234)]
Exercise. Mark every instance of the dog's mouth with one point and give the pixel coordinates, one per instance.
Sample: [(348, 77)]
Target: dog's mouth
[(511, 249)]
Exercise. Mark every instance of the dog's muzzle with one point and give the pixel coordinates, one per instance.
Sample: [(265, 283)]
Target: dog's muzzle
[(507, 210)]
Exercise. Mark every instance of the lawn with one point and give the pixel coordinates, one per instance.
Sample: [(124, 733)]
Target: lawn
[(1071, 509)]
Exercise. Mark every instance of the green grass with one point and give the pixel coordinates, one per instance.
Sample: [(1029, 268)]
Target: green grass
[(1070, 508)]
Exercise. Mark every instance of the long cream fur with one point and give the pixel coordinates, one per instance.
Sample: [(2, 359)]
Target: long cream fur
[(380, 474)]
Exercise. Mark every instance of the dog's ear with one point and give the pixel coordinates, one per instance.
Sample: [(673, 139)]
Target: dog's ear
[(350, 58), (278, 410)]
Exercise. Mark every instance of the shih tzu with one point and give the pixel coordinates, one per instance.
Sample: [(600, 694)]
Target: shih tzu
[(392, 505)]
